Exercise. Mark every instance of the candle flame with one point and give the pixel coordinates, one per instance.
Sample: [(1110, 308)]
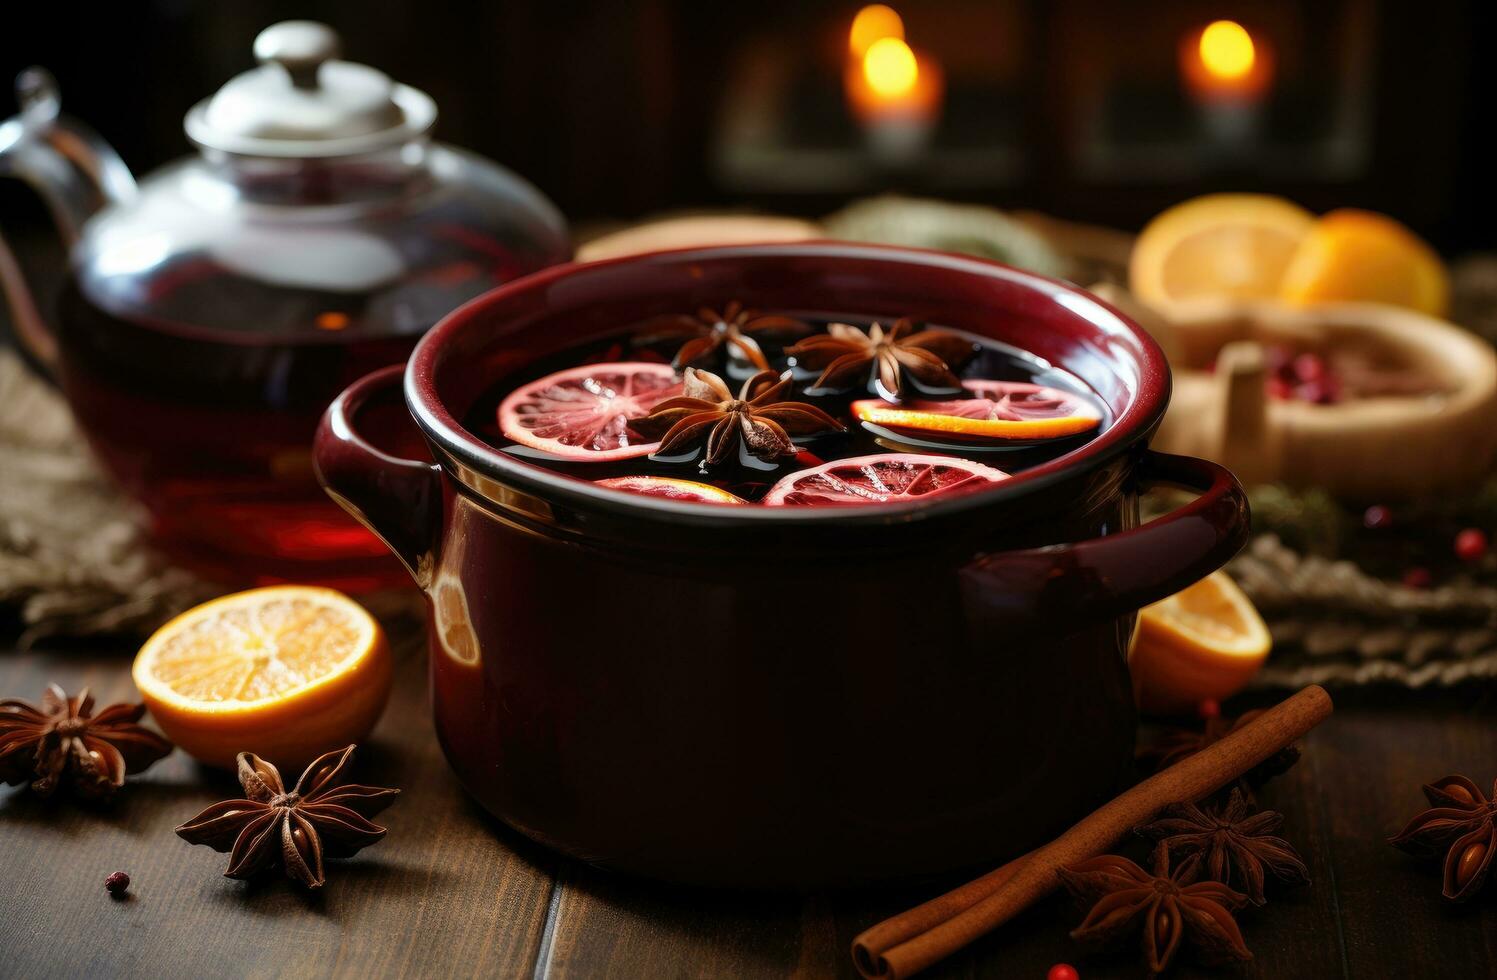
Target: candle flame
[(1227, 50), (890, 68), (872, 24)]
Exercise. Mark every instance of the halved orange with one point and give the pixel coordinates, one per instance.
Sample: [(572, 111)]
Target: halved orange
[(1203, 643), (1359, 256), (1227, 245), (286, 672), (672, 489), (998, 410)]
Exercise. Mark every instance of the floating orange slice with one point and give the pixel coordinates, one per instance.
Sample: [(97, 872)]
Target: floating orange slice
[(1228, 245), (1359, 256), (672, 489), (1204, 643), (287, 672), (583, 413), (883, 479), (999, 410)]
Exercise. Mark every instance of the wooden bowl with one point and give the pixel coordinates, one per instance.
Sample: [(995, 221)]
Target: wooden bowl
[(1369, 449)]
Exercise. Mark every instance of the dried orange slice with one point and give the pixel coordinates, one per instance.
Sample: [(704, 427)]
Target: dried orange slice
[(583, 413), (287, 672), (1359, 256), (1203, 643), (1228, 245), (998, 410), (672, 489)]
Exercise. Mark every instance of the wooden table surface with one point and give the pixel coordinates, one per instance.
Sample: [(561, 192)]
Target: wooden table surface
[(450, 892)]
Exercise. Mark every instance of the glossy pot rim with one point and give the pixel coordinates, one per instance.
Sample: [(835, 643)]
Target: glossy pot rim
[(1130, 427)]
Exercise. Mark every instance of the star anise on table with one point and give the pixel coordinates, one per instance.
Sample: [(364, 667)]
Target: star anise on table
[(847, 357), (1165, 908), (706, 414), (1228, 841), (1461, 825), (1181, 743), (709, 331), (63, 743), (320, 817)]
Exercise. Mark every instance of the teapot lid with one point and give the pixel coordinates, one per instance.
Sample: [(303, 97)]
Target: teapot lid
[(302, 102)]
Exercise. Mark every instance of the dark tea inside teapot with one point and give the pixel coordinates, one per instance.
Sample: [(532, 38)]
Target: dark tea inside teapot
[(215, 309)]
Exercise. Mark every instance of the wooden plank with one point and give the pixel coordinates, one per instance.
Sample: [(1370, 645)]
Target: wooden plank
[(1393, 918), (444, 893)]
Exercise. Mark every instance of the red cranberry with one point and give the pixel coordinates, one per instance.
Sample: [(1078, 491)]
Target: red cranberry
[(117, 884), (1062, 971), (1280, 389), (1209, 708), (1471, 544), (1377, 517), (1324, 391), (1417, 578), (1309, 367)]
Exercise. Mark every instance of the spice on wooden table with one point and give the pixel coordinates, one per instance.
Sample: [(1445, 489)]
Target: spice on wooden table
[(64, 744), (908, 943), (1228, 842), (1461, 827), (1166, 908), (271, 828), (1181, 743)]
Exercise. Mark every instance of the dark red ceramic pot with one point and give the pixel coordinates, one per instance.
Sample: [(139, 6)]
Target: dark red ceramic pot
[(780, 696)]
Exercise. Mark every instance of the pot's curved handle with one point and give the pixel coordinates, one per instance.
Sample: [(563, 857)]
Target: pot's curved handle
[(1086, 582), (397, 498)]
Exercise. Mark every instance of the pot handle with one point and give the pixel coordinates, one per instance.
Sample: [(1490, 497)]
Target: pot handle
[(1089, 581), (399, 499)]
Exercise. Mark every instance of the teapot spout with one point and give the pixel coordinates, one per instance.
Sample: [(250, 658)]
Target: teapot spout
[(68, 164), (73, 170)]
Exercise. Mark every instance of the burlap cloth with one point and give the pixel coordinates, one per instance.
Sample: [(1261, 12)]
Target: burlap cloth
[(72, 555)]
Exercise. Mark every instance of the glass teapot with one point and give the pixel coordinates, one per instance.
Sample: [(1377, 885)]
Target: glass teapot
[(213, 310)]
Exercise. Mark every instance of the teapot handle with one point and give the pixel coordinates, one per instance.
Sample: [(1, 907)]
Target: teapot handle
[(73, 170)]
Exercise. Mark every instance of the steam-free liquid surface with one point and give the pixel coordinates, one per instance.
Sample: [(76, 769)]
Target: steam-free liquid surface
[(750, 480)]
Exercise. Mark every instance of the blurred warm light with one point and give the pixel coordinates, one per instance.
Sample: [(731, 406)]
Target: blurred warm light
[(1227, 49), (1224, 62), (872, 24), (332, 320), (890, 68)]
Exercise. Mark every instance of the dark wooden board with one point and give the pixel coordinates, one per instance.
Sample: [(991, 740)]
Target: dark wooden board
[(452, 893)]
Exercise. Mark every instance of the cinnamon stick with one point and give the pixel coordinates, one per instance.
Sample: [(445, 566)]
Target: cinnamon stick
[(908, 943)]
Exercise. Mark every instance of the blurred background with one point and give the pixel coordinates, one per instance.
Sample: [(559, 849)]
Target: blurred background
[(1084, 109)]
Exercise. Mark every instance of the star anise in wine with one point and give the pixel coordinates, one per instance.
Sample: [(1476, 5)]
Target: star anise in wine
[(707, 415), (1181, 743), (1165, 907), (271, 828), (63, 743), (1228, 841), (709, 331), (1461, 825), (846, 357)]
